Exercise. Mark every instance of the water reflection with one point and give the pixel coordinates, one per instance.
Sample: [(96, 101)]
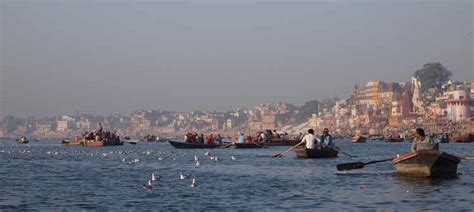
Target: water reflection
[(422, 181)]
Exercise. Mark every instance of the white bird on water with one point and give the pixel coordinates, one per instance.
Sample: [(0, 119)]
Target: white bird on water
[(153, 178), (206, 153), (233, 157), (196, 158), (147, 185), (216, 159), (183, 176), (211, 157), (198, 163), (194, 184)]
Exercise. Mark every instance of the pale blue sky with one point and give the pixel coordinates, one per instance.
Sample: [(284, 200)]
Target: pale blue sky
[(117, 56)]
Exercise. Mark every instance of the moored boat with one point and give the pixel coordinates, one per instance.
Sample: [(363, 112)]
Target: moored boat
[(22, 140), (183, 145), (427, 163), (133, 142), (462, 138), (359, 139), (248, 145), (302, 152)]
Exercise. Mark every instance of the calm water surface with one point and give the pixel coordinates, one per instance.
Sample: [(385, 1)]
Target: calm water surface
[(48, 176)]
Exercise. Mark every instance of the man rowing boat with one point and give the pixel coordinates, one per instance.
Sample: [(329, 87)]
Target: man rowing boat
[(309, 140), (423, 142)]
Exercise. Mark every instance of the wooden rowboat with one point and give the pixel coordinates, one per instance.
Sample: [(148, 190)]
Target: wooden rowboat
[(93, 143), (182, 145), (427, 163), (302, 152), (22, 140), (248, 145)]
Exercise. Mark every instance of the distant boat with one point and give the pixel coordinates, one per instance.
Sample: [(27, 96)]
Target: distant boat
[(427, 163), (149, 138), (359, 139), (183, 145), (163, 140), (94, 143), (22, 140), (393, 139), (65, 141), (281, 142), (248, 145), (462, 138), (302, 152), (133, 142)]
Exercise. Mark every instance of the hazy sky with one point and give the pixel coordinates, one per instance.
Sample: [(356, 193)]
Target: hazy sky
[(117, 56)]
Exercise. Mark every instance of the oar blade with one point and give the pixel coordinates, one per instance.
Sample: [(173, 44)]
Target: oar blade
[(350, 166), (279, 155)]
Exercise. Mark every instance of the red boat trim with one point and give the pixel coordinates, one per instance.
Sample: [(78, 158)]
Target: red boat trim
[(414, 154), (404, 157)]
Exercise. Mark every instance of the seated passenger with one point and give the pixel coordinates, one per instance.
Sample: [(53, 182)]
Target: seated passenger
[(241, 138), (423, 142), (326, 139), (210, 139)]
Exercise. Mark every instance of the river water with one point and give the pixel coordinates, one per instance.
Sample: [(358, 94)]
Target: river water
[(47, 176)]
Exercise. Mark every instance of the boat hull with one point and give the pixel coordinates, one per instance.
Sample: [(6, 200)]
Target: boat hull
[(93, 143), (391, 140), (302, 152), (281, 142), (427, 163), (248, 145), (182, 145), (464, 138)]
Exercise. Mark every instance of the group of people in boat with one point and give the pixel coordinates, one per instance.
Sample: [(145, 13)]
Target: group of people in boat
[(312, 142), (420, 142), (194, 138), (262, 136), (98, 135)]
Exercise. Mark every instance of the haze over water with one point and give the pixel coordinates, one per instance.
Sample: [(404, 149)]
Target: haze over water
[(105, 57)]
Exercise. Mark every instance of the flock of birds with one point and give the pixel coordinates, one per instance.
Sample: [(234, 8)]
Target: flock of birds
[(128, 157), (182, 176)]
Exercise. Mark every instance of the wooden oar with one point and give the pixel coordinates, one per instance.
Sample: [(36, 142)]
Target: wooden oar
[(352, 156), (358, 165), (468, 158), (279, 155), (260, 145), (227, 145)]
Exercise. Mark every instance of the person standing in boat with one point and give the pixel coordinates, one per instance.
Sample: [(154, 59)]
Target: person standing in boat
[(100, 130), (210, 139), (201, 139), (326, 139), (219, 139), (309, 140), (423, 142), (241, 138)]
